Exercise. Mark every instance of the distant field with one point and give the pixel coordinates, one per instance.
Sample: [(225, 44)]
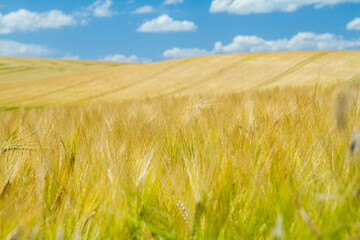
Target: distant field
[(243, 146), (30, 69), (40, 82)]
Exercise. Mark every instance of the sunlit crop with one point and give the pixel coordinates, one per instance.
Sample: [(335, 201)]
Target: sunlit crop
[(260, 164)]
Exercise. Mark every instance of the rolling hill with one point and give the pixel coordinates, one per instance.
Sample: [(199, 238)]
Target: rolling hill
[(39, 82), (282, 163)]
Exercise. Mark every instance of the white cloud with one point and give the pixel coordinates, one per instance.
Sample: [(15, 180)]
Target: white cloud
[(301, 41), (144, 9), (123, 58), (71, 57), (164, 23), (268, 6), (26, 21), (173, 2), (184, 53), (101, 8), (354, 24), (16, 49)]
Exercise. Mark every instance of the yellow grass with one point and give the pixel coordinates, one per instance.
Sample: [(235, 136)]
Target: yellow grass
[(212, 74), (200, 149)]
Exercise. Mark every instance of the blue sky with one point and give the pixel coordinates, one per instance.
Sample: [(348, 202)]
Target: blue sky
[(147, 31)]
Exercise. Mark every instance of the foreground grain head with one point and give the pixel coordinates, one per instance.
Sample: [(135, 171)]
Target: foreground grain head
[(251, 165)]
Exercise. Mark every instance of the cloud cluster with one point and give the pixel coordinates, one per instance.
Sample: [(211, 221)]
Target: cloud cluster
[(184, 53), (71, 57), (267, 6), (123, 58), (15, 49), (144, 9), (173, 2), (26, 21), (101, 8), (301, 41), (354, 25), (164, 23)]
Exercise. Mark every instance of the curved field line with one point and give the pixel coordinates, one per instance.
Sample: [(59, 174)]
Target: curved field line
[(206, 79), (63, 75), (59, 89), (133, 83), (7, 70), (354, 79), (68, 87), (19, 85), (293, 69)]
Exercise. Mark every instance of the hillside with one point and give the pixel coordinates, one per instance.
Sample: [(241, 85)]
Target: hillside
[(39, 82), (282, 163)]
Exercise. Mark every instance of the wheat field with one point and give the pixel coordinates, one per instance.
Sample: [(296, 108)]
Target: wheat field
[(262, 160), (51, 82)]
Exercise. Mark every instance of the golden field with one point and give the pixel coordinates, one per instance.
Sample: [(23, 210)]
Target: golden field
[(43, 82), (242, 146)]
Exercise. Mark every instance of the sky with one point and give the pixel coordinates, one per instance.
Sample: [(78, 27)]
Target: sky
[(157, 30)]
